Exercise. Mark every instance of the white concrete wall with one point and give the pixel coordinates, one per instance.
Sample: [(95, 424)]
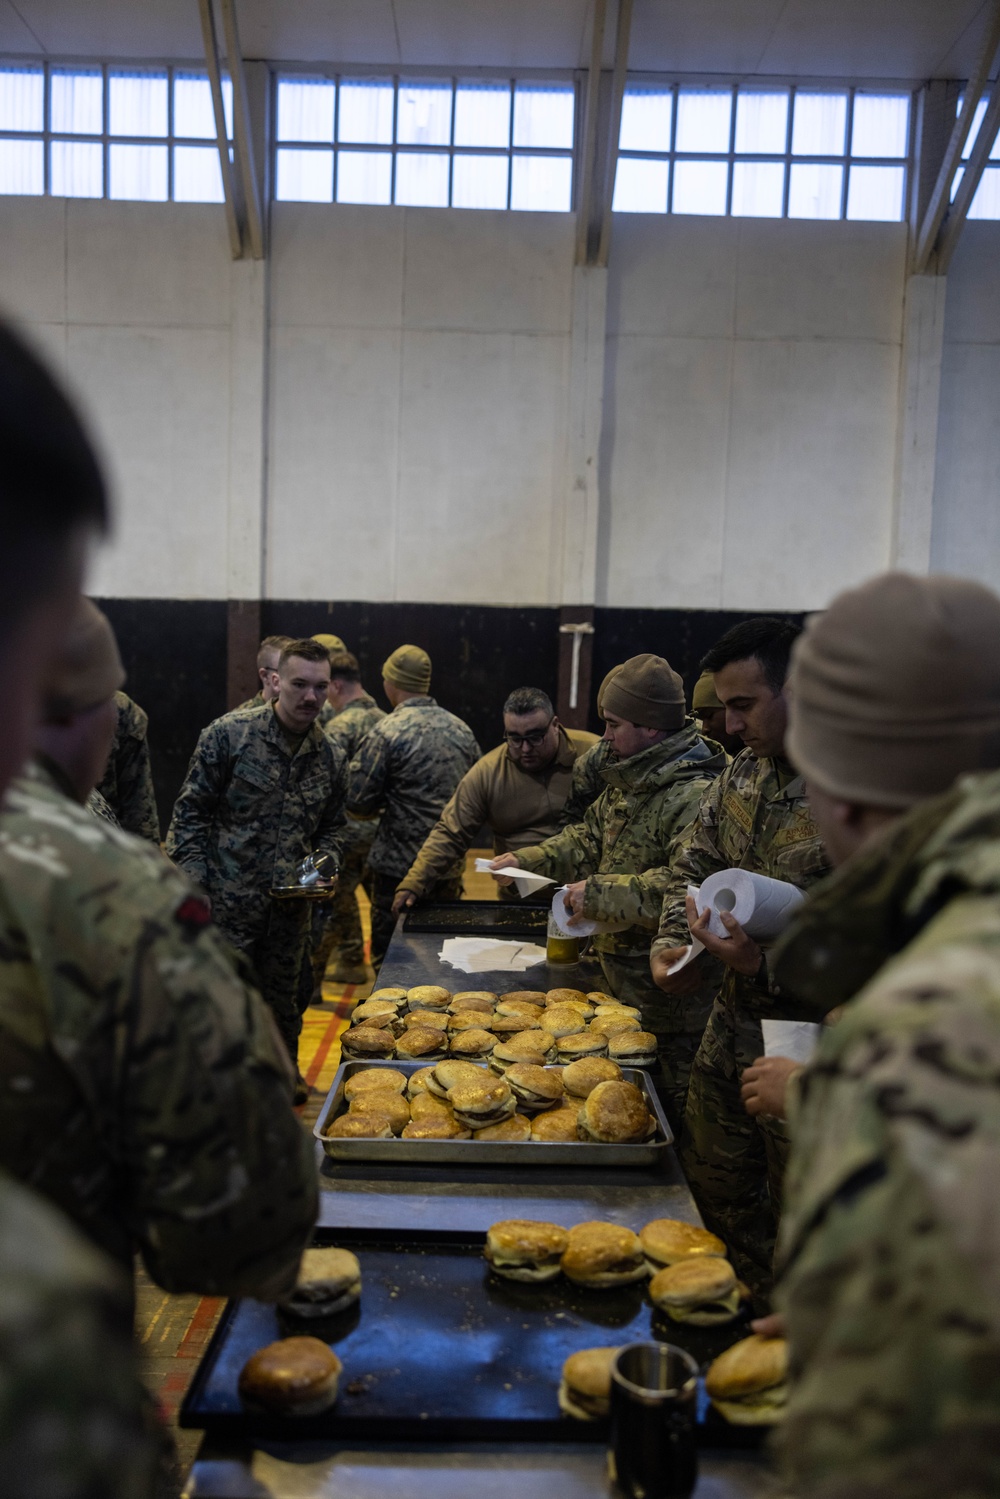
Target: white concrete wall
[(965, 533)]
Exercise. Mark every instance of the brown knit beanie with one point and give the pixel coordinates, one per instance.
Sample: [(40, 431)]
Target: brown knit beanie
[(645, 691), (603, 689), (895, 690), (705, 695), (409, 668), (89, 669), (330, 642)]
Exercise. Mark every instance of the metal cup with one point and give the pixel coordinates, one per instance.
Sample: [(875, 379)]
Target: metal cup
[(653, 1392)]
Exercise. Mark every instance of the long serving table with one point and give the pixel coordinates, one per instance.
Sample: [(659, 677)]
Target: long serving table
[(470, 1198)]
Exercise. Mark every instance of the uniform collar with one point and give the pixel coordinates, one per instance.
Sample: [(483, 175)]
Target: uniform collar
[(310, 742), (416, 702)]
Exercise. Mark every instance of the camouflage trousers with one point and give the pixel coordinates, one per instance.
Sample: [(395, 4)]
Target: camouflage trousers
[(383, 893), (677, 1023), (279, 956), (734, 1163), (338, 925)]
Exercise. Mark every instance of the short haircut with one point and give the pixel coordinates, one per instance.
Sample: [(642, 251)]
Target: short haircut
[(306, 650), (767, 641), (344, 664), (528, 700), (51, 484), (271, 643)]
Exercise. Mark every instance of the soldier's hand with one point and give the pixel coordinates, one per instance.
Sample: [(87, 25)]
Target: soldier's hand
[(573, 900), (764, 1086), (737, 951), (403, 901), (770, 1327), (504, 861), (685, 982)]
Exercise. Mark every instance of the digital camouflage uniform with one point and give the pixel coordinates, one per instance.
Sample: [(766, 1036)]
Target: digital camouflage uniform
[(889, 1250), (73, 1411), (254, 805), (127, 785), (647, 800), (98, 807), (257, 701), (588, 782), (755, 817), (408, 765), (338, 925), (143, 1087)]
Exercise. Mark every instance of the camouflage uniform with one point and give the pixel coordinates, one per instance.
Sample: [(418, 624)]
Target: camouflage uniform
[(127, 786), (339, 924), (754, 817), (588, 781), (889, 1251), (409, 764), (254, 805), (98, 807), (142, 1085), (257, 701), (647, 799), (73, 1412)]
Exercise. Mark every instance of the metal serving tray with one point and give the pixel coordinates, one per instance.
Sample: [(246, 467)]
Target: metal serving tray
[(464, 918), (489, 1152), (440, 1350)]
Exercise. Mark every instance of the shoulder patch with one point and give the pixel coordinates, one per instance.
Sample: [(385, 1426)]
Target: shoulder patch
[(800, 832), (735, 807), (193, 913)]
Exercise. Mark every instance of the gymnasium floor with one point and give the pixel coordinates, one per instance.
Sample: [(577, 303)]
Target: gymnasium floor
[(173, 1330)]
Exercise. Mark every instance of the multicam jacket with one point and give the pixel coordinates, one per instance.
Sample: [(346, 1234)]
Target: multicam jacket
[(409, 764), (889, 1250), (253, 806), (647, 800), (588, 781), (749, 820), (347, 729), (142, 1085), (127, 786), (71, 1402)]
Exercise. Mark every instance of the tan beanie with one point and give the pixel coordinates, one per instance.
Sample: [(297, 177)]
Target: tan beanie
[(895, 690), (89, 669), (646, 691), (329, 642), (409, 668), (705, 695), (603, 689)]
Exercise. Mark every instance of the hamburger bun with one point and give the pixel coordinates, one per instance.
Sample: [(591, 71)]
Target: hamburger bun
[(470, 1020), (524, 1249), (473, 1045), (420, 1045), (463, 1003), (612, 1007), (587, 1044), (582, 1077), (748, 1383), (426, 1106), (611, 1025), (452, 1071), (535, 1087), (506, 1026), (329, 1281), (560, 996), (526, 1046), (428, 1020), (367, 1043), (436, 1129), (531, 996), (556, 1127), (293, 1377), (370, 1007), (428, 997), (360, 1127), (480, 1103), (667, 1241), (703, 1291), (474, 994), (585, 1390), (418, 1081), (513, 1131), (597, 997), (384, 1104), (562, 1020), (632, 1048), (372, 1080), (616, 1114), (599, 1255), (398, 996), (511, 1008)]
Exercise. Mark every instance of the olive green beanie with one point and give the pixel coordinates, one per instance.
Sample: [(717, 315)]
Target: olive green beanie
[(646, 691), (409, 668), (705, 696)]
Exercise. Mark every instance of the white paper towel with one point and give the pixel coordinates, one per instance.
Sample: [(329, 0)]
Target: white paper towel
[(525, 880), (763, 907), (582, 926), (796, 1039), (490, 955)]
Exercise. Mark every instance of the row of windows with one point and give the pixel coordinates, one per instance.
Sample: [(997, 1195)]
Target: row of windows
[(146, 133)]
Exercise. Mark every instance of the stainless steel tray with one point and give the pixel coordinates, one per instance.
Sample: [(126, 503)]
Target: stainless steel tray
[(303, 892), (489, 1152)]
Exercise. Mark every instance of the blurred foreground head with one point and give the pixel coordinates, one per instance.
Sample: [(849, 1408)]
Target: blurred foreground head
[(52, 502)]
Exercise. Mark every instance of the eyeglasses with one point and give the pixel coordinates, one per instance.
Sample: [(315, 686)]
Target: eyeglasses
[(518, 741)]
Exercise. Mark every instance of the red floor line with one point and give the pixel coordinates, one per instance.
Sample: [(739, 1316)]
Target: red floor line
[(192, 1343), (329, 1036)]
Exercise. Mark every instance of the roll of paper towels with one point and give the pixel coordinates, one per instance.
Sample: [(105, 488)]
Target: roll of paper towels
[(763, 907), (583, 926)]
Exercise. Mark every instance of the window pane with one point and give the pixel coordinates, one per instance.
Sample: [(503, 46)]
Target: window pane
[(986, 203), (479, 182), (305, 109), (422, 179), (761, 123), (543, 115), (640, 186), (758, 189), (818, 128), (366, 113), (700, 186), (22, 167), (814, 191), (22, 100), (424, 114), (77, 102), (881, 124), (482, 114), (541, 182), (197, 177), (137, 104), (76, 169), (304, 176), (703, 119), (364, 177), (646, 114), (977, 120), (194, 117), (138, 172), (875, 193)]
